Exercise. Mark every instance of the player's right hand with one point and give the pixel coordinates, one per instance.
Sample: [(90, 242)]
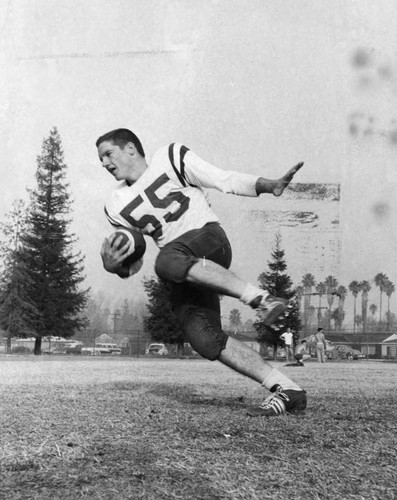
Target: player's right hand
[(113, 255)]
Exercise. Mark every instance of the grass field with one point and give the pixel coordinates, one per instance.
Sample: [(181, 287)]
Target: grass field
[(106, 428)]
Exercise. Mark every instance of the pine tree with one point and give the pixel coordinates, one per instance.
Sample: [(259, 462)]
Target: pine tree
[(55, 272), (278, 283), (16, 307), (162, 324), (17, 310)]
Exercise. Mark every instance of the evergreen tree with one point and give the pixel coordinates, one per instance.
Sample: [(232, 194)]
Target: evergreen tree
[(278, 283), (55, 272), (16, 307), (17, 310), (161, 323)]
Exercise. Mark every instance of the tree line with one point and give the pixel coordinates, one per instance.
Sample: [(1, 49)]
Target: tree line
[(331, 293)]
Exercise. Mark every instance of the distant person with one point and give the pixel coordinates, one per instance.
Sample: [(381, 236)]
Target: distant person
[(288, 338), (321, 345), (164, 199), (300, 352)]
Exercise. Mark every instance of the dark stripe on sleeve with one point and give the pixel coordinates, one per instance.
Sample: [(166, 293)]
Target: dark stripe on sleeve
[(171, 156), (182, 153), (111, 220)]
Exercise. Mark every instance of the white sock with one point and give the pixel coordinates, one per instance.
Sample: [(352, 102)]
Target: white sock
[(275, 377), (251, 292)]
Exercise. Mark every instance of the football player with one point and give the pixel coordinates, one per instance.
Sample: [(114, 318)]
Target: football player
[(165, 200)]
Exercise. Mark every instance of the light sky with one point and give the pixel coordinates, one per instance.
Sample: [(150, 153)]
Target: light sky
[(249, 85)]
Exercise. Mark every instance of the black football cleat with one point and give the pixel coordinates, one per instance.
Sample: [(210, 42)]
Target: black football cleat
[(280, 402)]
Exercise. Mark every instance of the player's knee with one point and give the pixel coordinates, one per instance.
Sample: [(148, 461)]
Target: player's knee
[(209, 348), (173, 265), (161, 266)]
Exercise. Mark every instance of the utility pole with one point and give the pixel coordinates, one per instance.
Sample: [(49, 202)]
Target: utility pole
[(114, 317)]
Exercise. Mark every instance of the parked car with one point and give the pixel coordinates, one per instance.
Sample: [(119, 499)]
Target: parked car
[(108, 349), (355, 354), (90, 351), (344, 352), (157, 349), (59, 350), (20, 349), (74, 348)]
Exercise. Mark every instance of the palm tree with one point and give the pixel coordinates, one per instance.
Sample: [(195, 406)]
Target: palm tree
[(359, 320), (338, 317), (381, 281), (330, 285), (390, 289), (298, 295), (321, 289), (341, 292), (365, 288), (235, 320), (355, 289), (308, 281), (373, 308)]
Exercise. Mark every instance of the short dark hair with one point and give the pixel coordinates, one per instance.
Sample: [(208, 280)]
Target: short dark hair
[(320, 329), (121, 137), (303, 341)]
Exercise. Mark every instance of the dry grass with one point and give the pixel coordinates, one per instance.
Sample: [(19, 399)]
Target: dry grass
[(76, 428)]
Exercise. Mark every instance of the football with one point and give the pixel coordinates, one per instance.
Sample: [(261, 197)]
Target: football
[(138, 242)]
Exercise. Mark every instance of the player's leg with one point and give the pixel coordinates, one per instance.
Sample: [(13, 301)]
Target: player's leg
[(198, 310), (207, 273), (199, 313), (249, 362), (198, 269), (299, 359)]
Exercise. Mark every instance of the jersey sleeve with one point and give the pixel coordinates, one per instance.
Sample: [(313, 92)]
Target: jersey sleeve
[(193, 170), (110, 219)]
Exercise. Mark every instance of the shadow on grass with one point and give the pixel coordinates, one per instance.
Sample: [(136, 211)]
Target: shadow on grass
[(185, 394)]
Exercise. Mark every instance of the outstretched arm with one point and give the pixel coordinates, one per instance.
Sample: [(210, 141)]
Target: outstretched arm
[(201, 173), (277, 186)]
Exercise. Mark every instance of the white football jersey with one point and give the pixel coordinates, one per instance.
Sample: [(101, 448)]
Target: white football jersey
[(168, 199)]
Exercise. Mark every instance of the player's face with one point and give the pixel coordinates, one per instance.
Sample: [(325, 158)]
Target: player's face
[(117, 161)]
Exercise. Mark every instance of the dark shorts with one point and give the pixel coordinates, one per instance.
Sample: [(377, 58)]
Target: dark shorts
[(177, 257), (196, 307)]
